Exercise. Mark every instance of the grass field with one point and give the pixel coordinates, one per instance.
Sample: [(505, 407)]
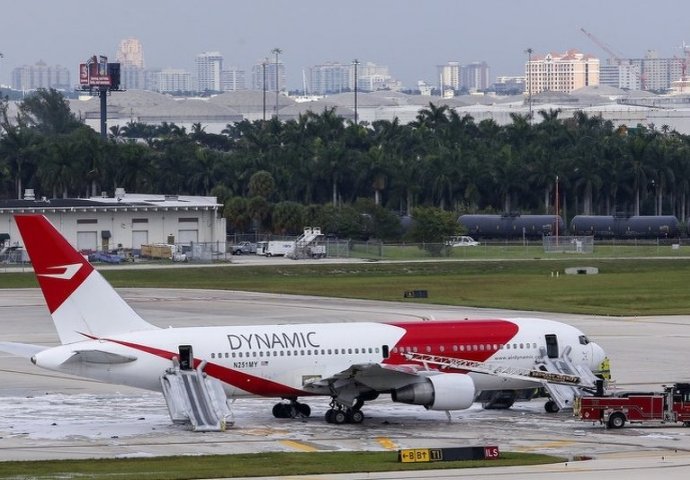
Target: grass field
[(244, 465), (623, 286), (512, 250)]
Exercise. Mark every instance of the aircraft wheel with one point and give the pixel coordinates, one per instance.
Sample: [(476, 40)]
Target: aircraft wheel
[(303, 409), (329, 415), (282, 410), (551, 407), (356, 416), (339, 417)]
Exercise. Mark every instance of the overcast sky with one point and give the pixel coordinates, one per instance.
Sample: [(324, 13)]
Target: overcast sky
[(410, 37)]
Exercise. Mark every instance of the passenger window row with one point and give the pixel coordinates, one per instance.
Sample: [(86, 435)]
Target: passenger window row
[(467, 348), (288, 353)]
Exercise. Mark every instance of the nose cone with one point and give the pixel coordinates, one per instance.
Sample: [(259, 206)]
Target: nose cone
[(599, 362)]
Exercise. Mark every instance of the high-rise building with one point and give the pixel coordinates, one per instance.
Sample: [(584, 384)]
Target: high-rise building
[(170, 80), (209, 66), (130, 53), (40, 75), (621, 74), (267, 69), (130, 56), (233, 79), (475, 76), (331, 77), (561, 72), (449, 76), (372, 77), (657, 73)]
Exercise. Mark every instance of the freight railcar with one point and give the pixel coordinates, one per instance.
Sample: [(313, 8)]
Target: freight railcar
[(512, 226), (619, 226)]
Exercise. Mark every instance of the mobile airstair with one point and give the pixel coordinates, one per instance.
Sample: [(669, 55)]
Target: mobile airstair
[(308, 245), (195, 398), (563, 394), (559, 376)]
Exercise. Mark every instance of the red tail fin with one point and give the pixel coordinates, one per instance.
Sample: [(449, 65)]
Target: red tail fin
[(59, 268), (81, 303)]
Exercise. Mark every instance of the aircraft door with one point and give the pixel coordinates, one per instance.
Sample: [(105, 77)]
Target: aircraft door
[(186, 357), (551, 345)]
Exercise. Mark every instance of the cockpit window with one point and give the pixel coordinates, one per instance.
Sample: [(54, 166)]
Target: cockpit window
[(584, 340)]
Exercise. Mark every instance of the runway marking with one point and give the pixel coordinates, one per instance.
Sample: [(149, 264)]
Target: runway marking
[(553, 444), (387, 443), (265, 431), (301, 446)]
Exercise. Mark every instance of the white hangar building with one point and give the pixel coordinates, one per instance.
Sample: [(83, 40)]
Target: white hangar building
[(124, 221)]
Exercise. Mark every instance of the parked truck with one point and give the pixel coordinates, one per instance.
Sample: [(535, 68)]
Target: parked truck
[(276, 248), (243, 248), (670, 406)]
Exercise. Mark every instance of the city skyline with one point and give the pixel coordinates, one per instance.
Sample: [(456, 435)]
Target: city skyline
[(410, 38)]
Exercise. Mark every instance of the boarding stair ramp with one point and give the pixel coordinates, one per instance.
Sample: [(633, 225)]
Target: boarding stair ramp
[(564, 394), (197, 399), (560, 377), (307, 244)]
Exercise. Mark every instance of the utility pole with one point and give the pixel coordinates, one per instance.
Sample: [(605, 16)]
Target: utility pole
[(355, 62), (277, 51), (529, 81), (263, 68)]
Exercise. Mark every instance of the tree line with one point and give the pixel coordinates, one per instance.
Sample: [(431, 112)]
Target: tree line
[(280, 175)]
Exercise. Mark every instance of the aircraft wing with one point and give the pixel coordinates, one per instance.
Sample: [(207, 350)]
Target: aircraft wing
[(26, 350), (365, 380)]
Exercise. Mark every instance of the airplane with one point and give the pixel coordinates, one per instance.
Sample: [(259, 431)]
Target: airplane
[(103, 338)]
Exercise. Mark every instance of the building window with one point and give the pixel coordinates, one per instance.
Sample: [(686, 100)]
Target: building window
[(188, 220), (140, 220), (82, 221)]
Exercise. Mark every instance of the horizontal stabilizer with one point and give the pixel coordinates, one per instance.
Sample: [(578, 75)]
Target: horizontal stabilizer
[(25, 350)]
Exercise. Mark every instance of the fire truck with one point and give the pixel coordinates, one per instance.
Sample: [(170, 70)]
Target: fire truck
[(670, 406)]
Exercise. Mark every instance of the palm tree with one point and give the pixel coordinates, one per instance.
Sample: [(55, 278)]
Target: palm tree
[(18, 146)]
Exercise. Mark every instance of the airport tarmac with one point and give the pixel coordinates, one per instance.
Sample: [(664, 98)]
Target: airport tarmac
[(44, 415)]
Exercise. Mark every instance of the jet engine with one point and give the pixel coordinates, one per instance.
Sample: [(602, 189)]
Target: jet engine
[(445, 391)]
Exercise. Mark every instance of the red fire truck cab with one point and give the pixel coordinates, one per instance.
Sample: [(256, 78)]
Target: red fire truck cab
[(670, 406)]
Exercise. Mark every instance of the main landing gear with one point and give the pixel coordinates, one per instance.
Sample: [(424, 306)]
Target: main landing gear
[(294, 409), (338, 414)]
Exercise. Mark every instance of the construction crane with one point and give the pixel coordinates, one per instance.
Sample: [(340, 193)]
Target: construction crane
[(618, 60)]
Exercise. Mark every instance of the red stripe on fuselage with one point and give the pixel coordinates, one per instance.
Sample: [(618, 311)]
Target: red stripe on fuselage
[(249, 383), (475, 340)]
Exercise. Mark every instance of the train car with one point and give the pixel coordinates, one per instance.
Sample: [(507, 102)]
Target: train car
[(619, 226), (511, 225)]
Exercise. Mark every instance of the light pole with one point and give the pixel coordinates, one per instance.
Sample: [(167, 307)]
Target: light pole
[(277, 51), (529, 81), (355, 62), (263, 69)]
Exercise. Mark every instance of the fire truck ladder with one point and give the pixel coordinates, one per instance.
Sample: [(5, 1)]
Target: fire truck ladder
[(561, 379)]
